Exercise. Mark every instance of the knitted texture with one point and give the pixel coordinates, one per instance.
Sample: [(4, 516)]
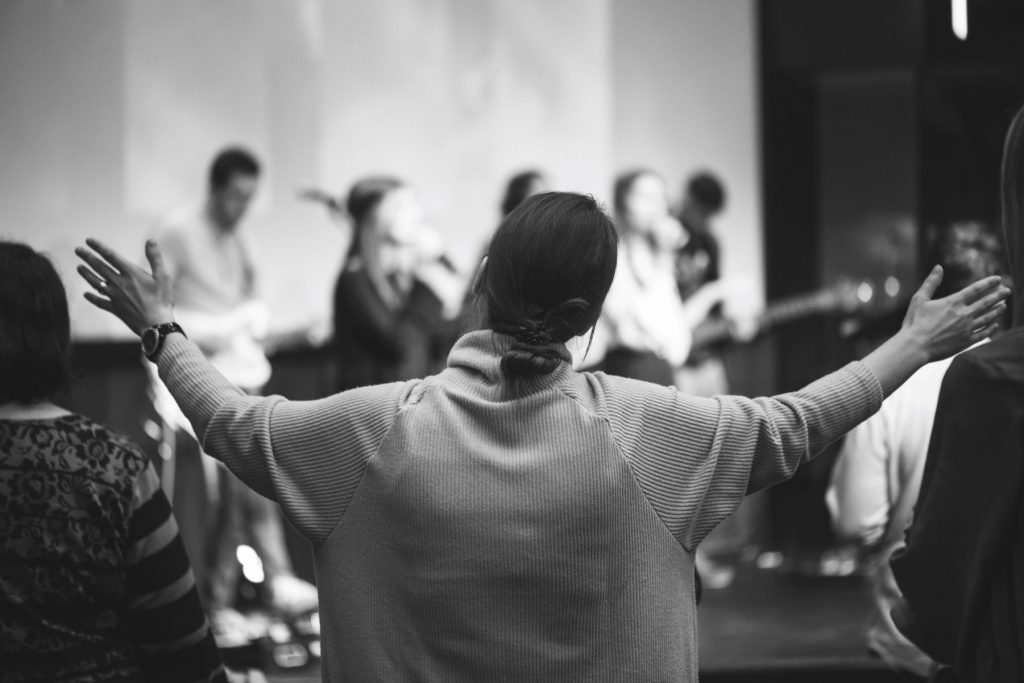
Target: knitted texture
[(463, 532)]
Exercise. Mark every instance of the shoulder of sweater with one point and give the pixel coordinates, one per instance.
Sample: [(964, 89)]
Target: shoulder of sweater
[(611, 395), (401, 393)]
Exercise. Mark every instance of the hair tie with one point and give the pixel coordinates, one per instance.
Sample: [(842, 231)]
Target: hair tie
[(533, 333)]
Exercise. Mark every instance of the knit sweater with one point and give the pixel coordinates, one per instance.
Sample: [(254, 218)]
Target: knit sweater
[(465, 533)]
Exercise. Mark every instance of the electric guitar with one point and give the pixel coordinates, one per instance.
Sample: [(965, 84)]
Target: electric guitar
[(846, 297)]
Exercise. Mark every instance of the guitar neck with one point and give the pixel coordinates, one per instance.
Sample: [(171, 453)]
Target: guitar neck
[(778, 312)]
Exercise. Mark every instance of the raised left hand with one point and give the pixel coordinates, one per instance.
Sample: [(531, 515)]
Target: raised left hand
[(949, 325), (139, 299)]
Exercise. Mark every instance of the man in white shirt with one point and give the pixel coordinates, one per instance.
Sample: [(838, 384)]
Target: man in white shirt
[(216, 302)]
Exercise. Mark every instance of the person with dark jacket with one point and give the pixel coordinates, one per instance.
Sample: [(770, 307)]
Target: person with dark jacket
[(962, 572), (391, 321)]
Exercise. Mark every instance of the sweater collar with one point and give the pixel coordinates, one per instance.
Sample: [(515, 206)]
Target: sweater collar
[(478, 354)]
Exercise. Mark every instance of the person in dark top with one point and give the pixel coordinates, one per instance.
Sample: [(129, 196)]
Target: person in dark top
[(397, 293), (962, 571), (697, 261), (520, 186), (95, 584)]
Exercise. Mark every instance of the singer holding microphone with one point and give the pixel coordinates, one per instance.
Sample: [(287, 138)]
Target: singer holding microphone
[(398, 294)]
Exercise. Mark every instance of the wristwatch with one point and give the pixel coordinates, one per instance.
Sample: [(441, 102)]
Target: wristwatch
[(153, 338)]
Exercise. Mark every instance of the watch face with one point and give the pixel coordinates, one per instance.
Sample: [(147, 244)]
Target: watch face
[(150, 341)]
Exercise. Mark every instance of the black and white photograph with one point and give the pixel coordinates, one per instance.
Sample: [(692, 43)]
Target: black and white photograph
[(523, 341)]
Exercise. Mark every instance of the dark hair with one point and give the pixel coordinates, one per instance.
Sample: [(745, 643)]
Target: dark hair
[(1011, 189), (967, 251), (707, 191), (548, 271), (230, 162), (34, 328), (518, 189), (364, 196), (367, 193), (623, 185)]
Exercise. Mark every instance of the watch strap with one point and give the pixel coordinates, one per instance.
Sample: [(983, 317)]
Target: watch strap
[(161, 331)]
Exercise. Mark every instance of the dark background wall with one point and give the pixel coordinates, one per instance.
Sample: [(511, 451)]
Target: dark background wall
[(878, 125)]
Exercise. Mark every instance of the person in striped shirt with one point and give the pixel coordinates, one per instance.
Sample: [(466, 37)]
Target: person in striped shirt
[(95, 584)]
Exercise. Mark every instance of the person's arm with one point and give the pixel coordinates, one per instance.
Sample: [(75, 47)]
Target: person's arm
[(698, 458), (802, 424), (161, 610), (858, 493), (307, 455)]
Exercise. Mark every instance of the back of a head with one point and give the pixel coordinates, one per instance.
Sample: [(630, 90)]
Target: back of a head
[(549, 268), (707, 191), (1012, 197), (231, 162), (35, 331), (967, 251)]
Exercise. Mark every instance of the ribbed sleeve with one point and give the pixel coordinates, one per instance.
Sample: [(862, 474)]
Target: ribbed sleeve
[(696, 458), (307, 455)]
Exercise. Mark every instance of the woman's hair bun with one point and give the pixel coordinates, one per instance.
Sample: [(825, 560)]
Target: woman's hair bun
[(523, 360)]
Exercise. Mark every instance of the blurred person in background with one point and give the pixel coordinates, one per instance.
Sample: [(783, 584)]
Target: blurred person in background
[(698, 259), (397, 297), (697, 270), (648, 324), (520, 186), (877, 474), (646, 332), (697, 263), (95, 583), (511, 518), (962, 570), (647, 329), (217, 296)]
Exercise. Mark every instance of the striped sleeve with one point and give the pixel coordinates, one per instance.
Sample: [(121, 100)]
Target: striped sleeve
[(309, 456), (162, 611), (696, 458)]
